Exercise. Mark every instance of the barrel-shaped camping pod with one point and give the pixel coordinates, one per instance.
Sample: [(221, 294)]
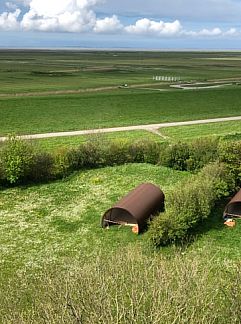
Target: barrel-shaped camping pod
[(233, 208), (136, 208)]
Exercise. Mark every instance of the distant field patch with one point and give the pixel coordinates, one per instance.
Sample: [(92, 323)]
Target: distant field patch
[(229, 130), (235, 58)]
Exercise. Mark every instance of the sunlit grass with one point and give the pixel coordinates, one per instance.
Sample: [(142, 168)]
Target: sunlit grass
[(227, 130)]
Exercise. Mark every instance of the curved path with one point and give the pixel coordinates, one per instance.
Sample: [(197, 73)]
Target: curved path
[(151, 128)]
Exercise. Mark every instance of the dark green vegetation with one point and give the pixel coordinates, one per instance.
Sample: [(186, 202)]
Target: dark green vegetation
[(191, 203), (21, 162), (88, 111)]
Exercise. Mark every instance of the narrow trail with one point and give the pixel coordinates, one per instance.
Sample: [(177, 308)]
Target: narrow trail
[(153, 128), (71, 91)]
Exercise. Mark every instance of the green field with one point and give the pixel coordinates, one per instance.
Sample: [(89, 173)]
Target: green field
[(88, 111), (26, 72), (226, 130), (30, 71)]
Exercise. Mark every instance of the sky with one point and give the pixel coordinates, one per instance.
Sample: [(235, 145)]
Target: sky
[(133, 24)]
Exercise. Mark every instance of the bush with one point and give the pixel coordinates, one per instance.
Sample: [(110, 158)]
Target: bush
[(61, 163), (116, 153), (201, 152), (190, 156), (230, 154), (90, 154), (190, 203), (144, 151), (42, 167), (175, 156), (17, 159)]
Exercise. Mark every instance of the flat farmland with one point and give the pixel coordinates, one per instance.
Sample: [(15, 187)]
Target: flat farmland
[(25, 115), (31, 71)]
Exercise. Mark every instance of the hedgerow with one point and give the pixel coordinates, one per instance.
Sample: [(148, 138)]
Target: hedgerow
[(190, 156), (22, 162), (230, 154), (190, 203), (16, 160)]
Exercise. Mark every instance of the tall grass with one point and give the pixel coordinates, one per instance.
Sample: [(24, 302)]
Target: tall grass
[(129, 287)]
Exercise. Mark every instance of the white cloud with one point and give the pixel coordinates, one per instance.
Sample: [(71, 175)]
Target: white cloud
[(150, 27), (9, 20), (215, 32), (64, 15), (231, 32), (108, 25)]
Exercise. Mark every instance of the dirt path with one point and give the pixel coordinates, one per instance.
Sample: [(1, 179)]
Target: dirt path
[(153, 128), (62, 92)]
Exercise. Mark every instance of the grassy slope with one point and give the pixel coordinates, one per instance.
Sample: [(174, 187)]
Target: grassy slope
[(46, 223), (42, 224), (73, 112), (54, 254)]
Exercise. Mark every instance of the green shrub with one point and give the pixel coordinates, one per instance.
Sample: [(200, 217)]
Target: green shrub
[(230, 154), (116, 153), (75, 160), (61, 163), (2, 174), (190, 203), (201, 152), (190, 156), (42, 167), (144, 151), (90, 154), (175, 156), (17, 159)]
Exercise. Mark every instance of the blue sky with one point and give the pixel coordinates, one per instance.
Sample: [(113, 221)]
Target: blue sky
[(152, 24)]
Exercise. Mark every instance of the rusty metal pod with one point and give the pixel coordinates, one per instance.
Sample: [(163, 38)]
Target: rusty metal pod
[(233, 208), (136, 208)]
